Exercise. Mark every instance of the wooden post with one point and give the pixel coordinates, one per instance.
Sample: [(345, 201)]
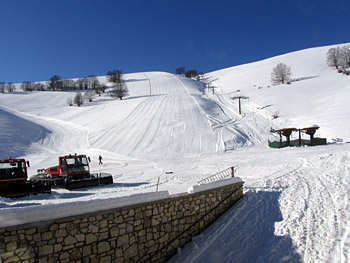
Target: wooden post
[(233, 171), (158, 183)]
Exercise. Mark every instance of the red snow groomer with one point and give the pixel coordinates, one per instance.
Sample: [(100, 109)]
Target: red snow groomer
[(72, 172), (14, 180)]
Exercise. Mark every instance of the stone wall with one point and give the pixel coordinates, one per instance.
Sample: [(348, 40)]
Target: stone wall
[(149, 232)]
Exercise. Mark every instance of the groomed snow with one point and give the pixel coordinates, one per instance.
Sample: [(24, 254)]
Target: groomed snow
[(296, 204)]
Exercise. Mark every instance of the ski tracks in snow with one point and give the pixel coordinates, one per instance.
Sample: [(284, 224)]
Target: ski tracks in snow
[(315, 208), (167, 125), (65, 137), (232, 129)]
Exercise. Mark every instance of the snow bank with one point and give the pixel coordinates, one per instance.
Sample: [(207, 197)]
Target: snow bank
[(29, 214), (42, 212)]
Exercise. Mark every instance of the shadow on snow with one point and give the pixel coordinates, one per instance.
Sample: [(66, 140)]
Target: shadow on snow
[(17, 134), (245, 233)]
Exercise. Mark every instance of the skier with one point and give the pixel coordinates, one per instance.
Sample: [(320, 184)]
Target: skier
[(100, 159)]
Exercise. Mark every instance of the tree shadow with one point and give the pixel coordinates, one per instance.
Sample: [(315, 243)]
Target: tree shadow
[(245, 233), (305, 78), (17, 134), (142, 96), (136, 80)]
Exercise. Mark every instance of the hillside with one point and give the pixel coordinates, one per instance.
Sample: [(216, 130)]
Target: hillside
[(317, 94), (172, 129)]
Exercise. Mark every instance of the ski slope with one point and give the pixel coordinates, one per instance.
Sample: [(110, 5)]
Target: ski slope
[(173, 129)]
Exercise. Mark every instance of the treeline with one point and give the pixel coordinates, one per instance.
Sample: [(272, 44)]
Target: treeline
[(55, 83), (9, 87), (90, 85), (118, 89), (192, 73)]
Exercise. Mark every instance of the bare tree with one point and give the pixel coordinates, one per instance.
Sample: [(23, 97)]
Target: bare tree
[(114, 76), (120, 90), (80, 83), (2, 87), (89, 95), (27, 86), (334, 57), (10, 87), (39, 86), (180, 71), (345, 57), (98, 88), (68, 84), (193, 73), (93, 82), (281, 74), (55, 83), (78, 99), (70, 102)]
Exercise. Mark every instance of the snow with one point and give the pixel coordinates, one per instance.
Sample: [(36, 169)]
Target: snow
[(223, 182), (296, 204), (11, 217)]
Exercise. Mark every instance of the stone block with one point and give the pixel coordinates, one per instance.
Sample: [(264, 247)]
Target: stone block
[(103, 236), (80, 237), (7, 255), (138, 215), (12, 259), (122, 240), (86, 251), (103, 247), (76, 255), (45, 250), (11, 246), (46, 236), (61, 233), (90, 238), (92, 229), (129, 228), (164, 238), (113, 232), (106, 259), (130, 252), (58, 248), (65, 255), (70, 241), (103, 223), (155, 222)]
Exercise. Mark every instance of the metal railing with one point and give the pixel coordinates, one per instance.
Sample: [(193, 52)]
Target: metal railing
[(229, 172)]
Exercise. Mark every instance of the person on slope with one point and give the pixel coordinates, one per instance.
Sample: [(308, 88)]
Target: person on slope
[(100, 160)]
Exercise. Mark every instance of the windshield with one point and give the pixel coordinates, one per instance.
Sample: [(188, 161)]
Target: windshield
[(12, 170), (74, 164)]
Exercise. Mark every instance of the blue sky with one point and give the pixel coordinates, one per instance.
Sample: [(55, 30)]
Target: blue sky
[(77, 38)]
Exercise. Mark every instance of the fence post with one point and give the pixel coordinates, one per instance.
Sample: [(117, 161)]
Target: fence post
[(233, 171), (158, 183)]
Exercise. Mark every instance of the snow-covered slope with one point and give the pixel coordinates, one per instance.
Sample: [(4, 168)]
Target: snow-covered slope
[(297, 200), (317, 94)]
